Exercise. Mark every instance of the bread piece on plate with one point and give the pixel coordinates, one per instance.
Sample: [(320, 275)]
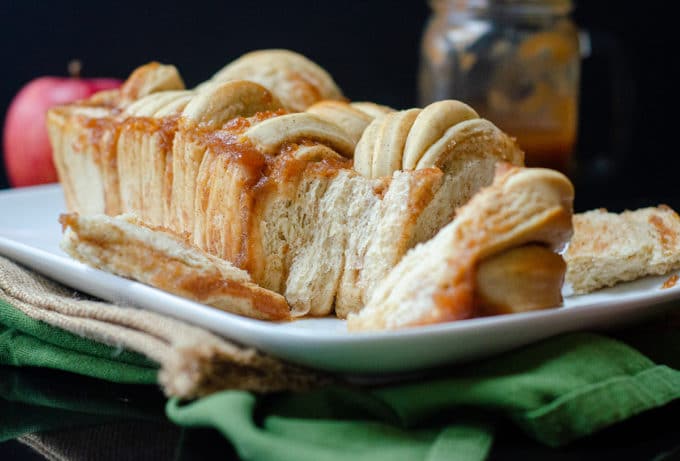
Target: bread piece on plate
[(608, 248), (125, 247), (435, 281)]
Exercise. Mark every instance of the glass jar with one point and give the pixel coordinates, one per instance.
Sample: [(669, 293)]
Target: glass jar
[(515, 62)]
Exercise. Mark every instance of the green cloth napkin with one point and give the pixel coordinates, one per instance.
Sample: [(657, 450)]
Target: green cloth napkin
[(556, 391), (28, 342)]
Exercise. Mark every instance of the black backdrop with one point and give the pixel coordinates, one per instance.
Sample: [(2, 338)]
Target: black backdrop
[(371, 49)]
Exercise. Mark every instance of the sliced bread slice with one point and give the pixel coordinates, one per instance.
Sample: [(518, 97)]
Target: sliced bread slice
[(609, 248), (125, 247)]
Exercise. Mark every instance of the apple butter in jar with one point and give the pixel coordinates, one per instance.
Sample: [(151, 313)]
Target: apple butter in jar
[(516, 62)]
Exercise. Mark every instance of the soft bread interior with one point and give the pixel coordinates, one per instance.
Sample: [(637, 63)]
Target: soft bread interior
[(435, 282)]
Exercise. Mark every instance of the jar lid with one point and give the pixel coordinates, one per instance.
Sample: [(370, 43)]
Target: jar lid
[(523, 7)]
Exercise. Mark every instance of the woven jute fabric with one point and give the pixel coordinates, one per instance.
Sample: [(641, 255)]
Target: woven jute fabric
[(193, 362)]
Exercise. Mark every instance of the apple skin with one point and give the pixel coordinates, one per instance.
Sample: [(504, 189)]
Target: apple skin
[(28, 153)]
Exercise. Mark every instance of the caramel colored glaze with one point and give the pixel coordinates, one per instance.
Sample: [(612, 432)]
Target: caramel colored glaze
[(380, 188), (455, 301), (228, 141), (285, 167), (175, 279), (670, 281), (67, 220), (227, 144), (420, 201), (94, 138), (667, 236), (178, 278), (169, 177), (252, 163), (225, 148), (165, 128), (239, 125), (262, 174)]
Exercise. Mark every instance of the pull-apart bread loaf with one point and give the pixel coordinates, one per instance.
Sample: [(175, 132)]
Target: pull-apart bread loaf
[(608, 248), (516, 223), (267, 167)]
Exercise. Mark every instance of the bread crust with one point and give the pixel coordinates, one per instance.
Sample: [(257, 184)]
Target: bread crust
[(124, 246)]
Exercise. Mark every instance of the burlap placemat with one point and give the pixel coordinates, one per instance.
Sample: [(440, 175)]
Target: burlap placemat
[(193, 362)]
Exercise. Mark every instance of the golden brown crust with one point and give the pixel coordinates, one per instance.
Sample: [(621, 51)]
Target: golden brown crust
[(164, 261)]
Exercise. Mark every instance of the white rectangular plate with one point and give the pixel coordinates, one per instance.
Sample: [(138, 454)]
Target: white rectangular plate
[(30, 234)]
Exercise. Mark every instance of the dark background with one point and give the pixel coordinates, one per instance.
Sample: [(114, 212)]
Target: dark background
[(626, 150), (371, 49)]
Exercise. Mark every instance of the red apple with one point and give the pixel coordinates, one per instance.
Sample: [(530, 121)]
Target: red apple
[(28, 154)]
